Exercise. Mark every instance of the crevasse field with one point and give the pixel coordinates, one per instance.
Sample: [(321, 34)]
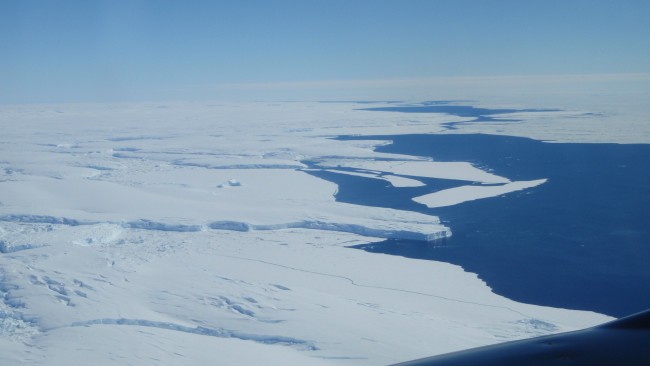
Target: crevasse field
[(192, 233)]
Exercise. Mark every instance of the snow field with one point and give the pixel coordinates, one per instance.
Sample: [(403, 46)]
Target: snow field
[(123, 239), (300, 290)]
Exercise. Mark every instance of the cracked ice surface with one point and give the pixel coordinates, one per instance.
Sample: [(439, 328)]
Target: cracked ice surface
[(186, 178), (190, 234)]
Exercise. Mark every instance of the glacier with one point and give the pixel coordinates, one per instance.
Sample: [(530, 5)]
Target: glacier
[(123, 238)]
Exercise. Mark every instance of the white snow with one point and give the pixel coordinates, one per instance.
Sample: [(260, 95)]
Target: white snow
[(428, 169), (117, 245), (401, 182), (230, 183), (295, 289), (454, 196), (394, 180), (181, 198)]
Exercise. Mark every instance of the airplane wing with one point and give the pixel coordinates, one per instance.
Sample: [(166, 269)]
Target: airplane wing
[(625, 341)]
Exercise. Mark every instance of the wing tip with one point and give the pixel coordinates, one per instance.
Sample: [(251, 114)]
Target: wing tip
[(639, 320)]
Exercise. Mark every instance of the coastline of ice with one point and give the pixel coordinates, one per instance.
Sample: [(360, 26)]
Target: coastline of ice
[(298, 289), (428, 229), (113, 235)]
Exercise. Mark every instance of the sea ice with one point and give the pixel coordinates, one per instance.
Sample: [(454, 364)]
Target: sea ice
[(454, 196), (119, 247)]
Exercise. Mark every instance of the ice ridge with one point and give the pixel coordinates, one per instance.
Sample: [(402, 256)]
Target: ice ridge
[(382, 231), (212, 332), (332, 226)]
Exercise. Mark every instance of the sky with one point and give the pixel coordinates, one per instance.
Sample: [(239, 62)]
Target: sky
[(138, 50)]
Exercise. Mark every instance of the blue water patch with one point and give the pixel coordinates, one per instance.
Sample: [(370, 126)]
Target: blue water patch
[(581, 240), (451, 107)]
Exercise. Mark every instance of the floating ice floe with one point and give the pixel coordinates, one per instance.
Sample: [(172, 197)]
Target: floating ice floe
[(230, 183)]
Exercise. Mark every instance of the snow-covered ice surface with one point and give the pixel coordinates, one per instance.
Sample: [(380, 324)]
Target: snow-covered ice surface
[(193, 234), (430, 169), (454, 196)]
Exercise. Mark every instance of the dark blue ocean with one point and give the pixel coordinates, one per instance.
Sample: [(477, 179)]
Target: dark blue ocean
[(579, 241)]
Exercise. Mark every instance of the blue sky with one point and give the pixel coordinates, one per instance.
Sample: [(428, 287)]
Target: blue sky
[(123, 50)]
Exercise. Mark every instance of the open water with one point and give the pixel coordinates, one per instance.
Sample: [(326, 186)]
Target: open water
[(580, 241)]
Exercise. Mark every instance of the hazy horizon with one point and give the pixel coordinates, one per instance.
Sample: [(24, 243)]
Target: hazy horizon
[(75, 51)]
